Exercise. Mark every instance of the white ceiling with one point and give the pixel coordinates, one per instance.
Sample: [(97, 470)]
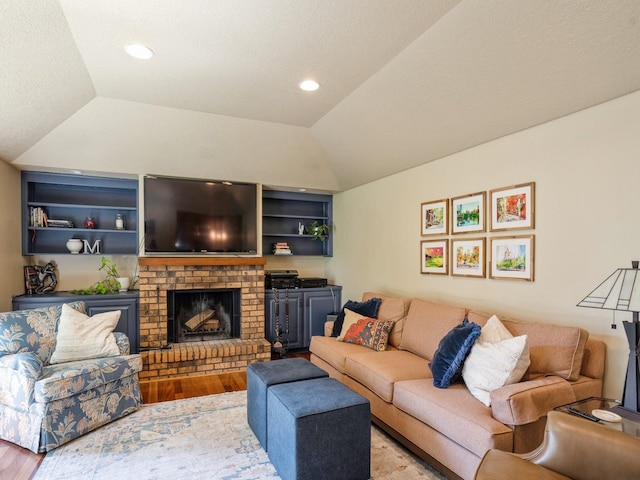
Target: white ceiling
[(403, 82)]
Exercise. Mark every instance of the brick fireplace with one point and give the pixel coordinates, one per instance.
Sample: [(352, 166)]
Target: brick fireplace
[(159, 275)]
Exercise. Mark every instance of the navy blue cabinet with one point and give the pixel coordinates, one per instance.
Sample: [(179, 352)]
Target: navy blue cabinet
[(56, 206), (307, 312), (127, 303)]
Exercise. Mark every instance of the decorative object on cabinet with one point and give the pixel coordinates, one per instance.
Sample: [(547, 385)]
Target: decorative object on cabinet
[(433, 256), (109, 285), (512, 208), (284, 214), (467, 213), (512, 258), (434, 217), (620, 292), (124, 283), (55, 207), (39, 279)]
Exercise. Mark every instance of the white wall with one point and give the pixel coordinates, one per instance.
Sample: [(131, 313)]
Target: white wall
[(586, 167), (11, 261)]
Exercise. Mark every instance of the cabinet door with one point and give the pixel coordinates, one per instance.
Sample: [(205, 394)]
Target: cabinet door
[(318, 305), (128, 323), (294, 339)]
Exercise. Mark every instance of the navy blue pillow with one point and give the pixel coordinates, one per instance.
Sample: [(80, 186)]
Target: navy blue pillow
[(452, 351), (368, 309)]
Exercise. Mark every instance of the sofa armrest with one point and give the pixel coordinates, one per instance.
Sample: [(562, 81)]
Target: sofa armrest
[(527, 402), (578, 448), (328, 328), (123, 343), (18, 375)]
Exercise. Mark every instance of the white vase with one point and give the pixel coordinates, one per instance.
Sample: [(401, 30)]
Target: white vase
[(74, 245), (124, 283)]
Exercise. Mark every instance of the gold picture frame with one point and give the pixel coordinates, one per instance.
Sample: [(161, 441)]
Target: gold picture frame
[(434, 217), (513, 208), (512, 258), (468, 257)]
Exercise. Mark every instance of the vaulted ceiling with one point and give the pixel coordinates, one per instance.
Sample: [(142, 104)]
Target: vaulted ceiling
[(403, 82)]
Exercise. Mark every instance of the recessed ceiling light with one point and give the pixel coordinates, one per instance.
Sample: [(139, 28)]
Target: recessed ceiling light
[(139, 51), (309, 85)]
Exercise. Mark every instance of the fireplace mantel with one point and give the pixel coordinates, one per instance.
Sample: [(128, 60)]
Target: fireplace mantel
[(202, 261)]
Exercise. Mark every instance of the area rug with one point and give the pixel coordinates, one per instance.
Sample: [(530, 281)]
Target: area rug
[(197, 438)]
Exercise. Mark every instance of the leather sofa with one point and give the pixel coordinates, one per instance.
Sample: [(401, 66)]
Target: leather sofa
[(44, 405), (449, 427), (573, 448)]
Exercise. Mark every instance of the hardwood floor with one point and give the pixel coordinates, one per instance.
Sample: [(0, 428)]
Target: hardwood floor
[(186, 387), (18, 463)]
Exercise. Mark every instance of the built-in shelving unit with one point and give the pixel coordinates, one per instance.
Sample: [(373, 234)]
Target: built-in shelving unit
[(283, 212), (74, 198)]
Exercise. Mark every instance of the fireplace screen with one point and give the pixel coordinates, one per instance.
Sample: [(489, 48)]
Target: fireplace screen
[(199, 315)]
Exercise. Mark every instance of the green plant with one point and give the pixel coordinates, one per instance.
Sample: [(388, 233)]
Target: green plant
[(107, 286), (319, 231)]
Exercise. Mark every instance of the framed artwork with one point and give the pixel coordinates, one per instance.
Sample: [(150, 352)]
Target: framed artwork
[(434, 217), (512, 258), (467, 213), (433, 256), (468, 257), (512, 208)]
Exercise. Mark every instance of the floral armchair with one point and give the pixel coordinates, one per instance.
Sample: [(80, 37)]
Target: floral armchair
[(44, 405)]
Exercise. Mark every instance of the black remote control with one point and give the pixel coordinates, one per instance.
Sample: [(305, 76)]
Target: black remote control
[(588, 416)]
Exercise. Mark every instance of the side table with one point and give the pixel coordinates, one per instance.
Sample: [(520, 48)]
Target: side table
[(584, 408)]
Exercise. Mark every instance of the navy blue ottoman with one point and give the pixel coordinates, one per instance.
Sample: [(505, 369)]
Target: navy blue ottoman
[(261, 376), (319, 430)]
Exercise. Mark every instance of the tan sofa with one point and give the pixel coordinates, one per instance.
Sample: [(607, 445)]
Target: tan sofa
[(450, 427)]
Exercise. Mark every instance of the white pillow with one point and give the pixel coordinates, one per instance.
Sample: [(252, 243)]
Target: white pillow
[(82, 337), (497, 359), (350, 318)]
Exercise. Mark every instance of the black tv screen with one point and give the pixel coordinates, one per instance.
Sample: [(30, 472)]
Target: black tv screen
[(200, 216)]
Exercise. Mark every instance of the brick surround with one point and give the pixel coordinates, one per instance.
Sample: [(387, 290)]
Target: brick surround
[(159, 274)]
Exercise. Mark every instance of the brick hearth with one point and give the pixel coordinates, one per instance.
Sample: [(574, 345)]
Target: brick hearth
[(159, 274)]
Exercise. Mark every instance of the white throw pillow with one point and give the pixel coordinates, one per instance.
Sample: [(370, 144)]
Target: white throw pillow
[(82, 337), (350, 318), (497, 359)]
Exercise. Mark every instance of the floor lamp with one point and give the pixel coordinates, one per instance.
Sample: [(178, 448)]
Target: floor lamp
[(621, 292)]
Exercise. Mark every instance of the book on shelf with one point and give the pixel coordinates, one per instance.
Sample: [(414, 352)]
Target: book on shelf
[(282, 248), (37, 217)]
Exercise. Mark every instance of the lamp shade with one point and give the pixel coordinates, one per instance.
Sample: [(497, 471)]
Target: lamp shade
[(620, 291)]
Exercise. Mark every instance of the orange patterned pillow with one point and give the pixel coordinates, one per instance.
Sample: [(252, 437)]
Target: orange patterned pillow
[(370, 333)]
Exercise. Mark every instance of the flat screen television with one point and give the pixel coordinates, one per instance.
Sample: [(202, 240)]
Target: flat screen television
[(188, 216)]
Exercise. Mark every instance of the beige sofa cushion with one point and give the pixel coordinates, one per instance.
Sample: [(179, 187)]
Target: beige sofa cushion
[(378, 371), (554, 349), (426, 324), (333, 352), (391, 308), (454, 413)]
